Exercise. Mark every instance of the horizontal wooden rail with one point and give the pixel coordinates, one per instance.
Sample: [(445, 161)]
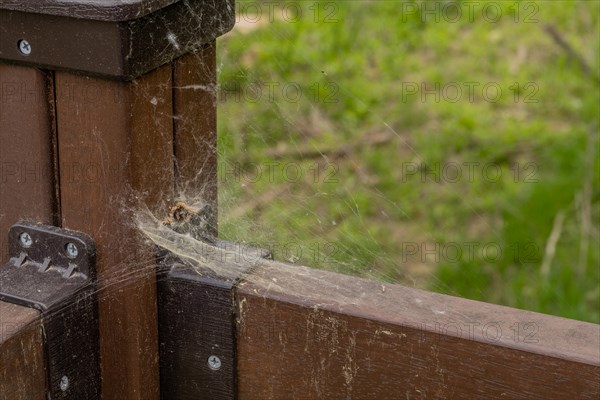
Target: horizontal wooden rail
[(22, 370), (310, 334)]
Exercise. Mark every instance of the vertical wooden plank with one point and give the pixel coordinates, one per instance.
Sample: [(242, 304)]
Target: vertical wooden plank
[(22, 371), (116, 152), (26, 156), (195, 125)]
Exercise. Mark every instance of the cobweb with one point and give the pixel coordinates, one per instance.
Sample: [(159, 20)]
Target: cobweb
[(340, 138), (432, 187)]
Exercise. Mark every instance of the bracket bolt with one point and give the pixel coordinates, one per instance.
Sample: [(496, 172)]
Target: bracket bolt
[(72, 251), (25, 239), (64, 383), (214, 363), (24, 47)]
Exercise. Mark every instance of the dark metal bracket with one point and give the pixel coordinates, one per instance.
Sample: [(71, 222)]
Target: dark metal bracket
[(197, 320), (53, 270)]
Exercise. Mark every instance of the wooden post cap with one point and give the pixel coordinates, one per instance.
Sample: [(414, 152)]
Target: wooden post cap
[(114, 38)]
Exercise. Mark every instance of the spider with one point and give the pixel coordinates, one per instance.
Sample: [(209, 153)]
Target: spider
[(190, 220)]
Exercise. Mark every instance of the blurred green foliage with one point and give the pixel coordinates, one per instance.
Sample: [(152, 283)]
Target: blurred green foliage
[(357, 135)]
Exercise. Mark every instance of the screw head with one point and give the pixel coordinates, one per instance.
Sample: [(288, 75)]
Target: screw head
[(214, 363), (25, 239), (71, 250), (24, 47), (64, 383)]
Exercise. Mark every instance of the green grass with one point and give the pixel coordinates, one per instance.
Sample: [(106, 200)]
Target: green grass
[(358, 209)]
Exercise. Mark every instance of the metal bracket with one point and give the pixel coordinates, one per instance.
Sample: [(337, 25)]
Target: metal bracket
[(197, 321), (53, 270)]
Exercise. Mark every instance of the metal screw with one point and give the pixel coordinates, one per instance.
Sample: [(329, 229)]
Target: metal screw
[(25, 239), (64, 383), (72, 250), (214, 363), (24, 47)]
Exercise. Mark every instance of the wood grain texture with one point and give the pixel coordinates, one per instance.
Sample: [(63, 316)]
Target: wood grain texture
[(118, 49), (308, 334), (22, 371), (195, 105), (26, 151), (115, 151), (196, 322)]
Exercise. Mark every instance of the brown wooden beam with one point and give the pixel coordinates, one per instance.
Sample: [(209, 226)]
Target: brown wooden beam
[(116, 39), (22, 369), (195, 126), (116, 154), (309, 334), (26, 149)]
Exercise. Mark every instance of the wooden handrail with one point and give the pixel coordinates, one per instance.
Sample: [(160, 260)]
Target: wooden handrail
[(302, 333), (310, 334)]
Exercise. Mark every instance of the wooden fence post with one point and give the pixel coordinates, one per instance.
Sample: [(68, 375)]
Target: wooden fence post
[(101, 110)]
